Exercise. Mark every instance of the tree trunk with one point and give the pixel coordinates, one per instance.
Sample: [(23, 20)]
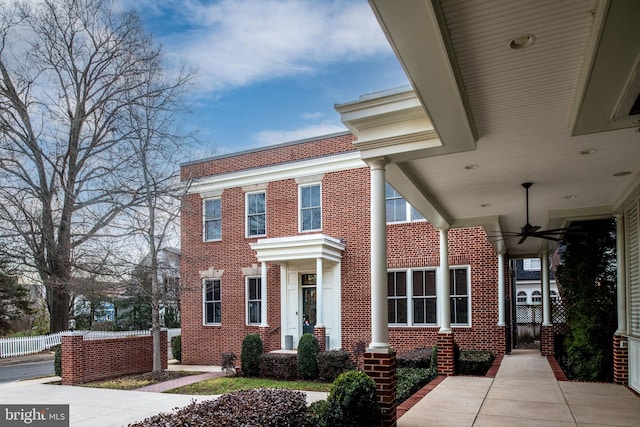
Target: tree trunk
[(58, 303)]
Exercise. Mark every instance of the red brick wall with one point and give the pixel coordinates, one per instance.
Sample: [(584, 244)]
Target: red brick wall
[(91, 360), (345, 210)]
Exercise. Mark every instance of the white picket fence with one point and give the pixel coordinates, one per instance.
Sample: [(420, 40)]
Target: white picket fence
[(11, 347)]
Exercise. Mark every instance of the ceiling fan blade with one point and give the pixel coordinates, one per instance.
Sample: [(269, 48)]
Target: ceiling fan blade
[(524, 237)]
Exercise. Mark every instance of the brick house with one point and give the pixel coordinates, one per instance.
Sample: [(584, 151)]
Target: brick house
[(262, 228)]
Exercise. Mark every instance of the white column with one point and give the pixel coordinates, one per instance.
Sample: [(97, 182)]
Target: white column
[(501, 289), (546, 294), (319, 297), (263, 295), (443, 294), (621, 286), (379, 316)]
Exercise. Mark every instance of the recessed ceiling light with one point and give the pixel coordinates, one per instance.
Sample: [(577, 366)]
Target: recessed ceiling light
[(470, 167), (623, 173), (571, 196), (589, 151), (522, 41)]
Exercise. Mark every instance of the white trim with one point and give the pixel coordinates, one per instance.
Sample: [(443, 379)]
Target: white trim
[(281, 171), (409, 287), (307, 246)]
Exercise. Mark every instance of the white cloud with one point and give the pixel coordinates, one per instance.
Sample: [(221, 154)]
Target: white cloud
[(239, 42), (270, 137)]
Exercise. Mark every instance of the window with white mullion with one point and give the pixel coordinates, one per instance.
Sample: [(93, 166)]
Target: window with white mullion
[(397, 297), (256, 214), (212, 219), (310, 203), (423, 294), (254, 300)]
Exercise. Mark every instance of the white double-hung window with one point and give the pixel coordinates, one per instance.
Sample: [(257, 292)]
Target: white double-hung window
[(212, 219), (310, 202), (256, 214)]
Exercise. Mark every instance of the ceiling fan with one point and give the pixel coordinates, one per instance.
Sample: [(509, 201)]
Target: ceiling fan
[(529, 230)]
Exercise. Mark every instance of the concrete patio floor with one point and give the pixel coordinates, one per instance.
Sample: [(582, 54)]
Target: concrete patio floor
[(525, 393)]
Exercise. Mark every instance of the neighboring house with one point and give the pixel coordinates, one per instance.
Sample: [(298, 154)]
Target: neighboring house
[(262, 229), (528, 297)]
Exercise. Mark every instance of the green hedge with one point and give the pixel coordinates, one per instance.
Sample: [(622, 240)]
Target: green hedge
[(475, 362)]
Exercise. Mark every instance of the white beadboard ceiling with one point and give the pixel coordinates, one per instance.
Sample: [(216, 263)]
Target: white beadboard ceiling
[(523, 104)]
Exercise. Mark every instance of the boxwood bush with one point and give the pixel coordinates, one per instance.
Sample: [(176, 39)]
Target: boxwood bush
[(352, 402), (332, 363), (257, 407), (176, 347), (279, 366), (475, 362), (250, 354), (308, 349)]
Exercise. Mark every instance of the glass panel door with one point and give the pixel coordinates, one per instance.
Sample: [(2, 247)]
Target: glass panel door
[(308, 303)]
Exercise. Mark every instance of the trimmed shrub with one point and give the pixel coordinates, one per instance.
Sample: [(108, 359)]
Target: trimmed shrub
[(279, 366), (316, 412), (410, 380), (333, 363), (418, 358), (229, 363), (308, 349), (249, 358), (57, 361), (352, 401), (176, 347), (475, 362), (257, 407)]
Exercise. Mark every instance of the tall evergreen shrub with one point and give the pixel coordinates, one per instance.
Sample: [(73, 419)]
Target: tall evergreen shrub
[(250, 355), (308, 349), (587, 283)]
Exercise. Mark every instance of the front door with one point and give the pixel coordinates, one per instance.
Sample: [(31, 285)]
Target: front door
[(308, 303)]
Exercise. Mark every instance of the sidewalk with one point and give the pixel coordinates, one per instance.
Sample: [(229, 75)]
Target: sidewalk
[(524, 392)]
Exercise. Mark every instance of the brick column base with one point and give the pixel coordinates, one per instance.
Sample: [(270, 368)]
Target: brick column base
[(620, 360), (382, 368), (547, 338), (446, 354), (320, 334), (164, 343)]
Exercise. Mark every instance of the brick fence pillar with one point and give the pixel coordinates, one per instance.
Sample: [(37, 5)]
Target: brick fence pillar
[(620, 359), (72, 358), (320, 334), (382, 368), (547, 340), (446, 354)]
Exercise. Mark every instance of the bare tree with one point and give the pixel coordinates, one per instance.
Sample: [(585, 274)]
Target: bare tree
[(69, 72), (157, 146)]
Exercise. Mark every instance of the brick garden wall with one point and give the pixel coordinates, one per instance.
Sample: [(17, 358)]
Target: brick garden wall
[(345, 215), (91, 360)]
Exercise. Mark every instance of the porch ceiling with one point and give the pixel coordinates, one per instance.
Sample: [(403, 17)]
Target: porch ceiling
[(518, 115)]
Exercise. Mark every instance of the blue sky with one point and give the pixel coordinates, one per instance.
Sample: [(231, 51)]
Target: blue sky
[(271, 71)]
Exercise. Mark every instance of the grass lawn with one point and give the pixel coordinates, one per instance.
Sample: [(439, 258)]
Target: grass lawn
[(133, 382), (224, 385)]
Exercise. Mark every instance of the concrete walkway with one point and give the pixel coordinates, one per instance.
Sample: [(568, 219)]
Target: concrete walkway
[(524, 393)]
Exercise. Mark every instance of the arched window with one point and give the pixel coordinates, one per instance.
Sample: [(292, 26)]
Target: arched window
[(554, 296), (521, 298), (536, 297)]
